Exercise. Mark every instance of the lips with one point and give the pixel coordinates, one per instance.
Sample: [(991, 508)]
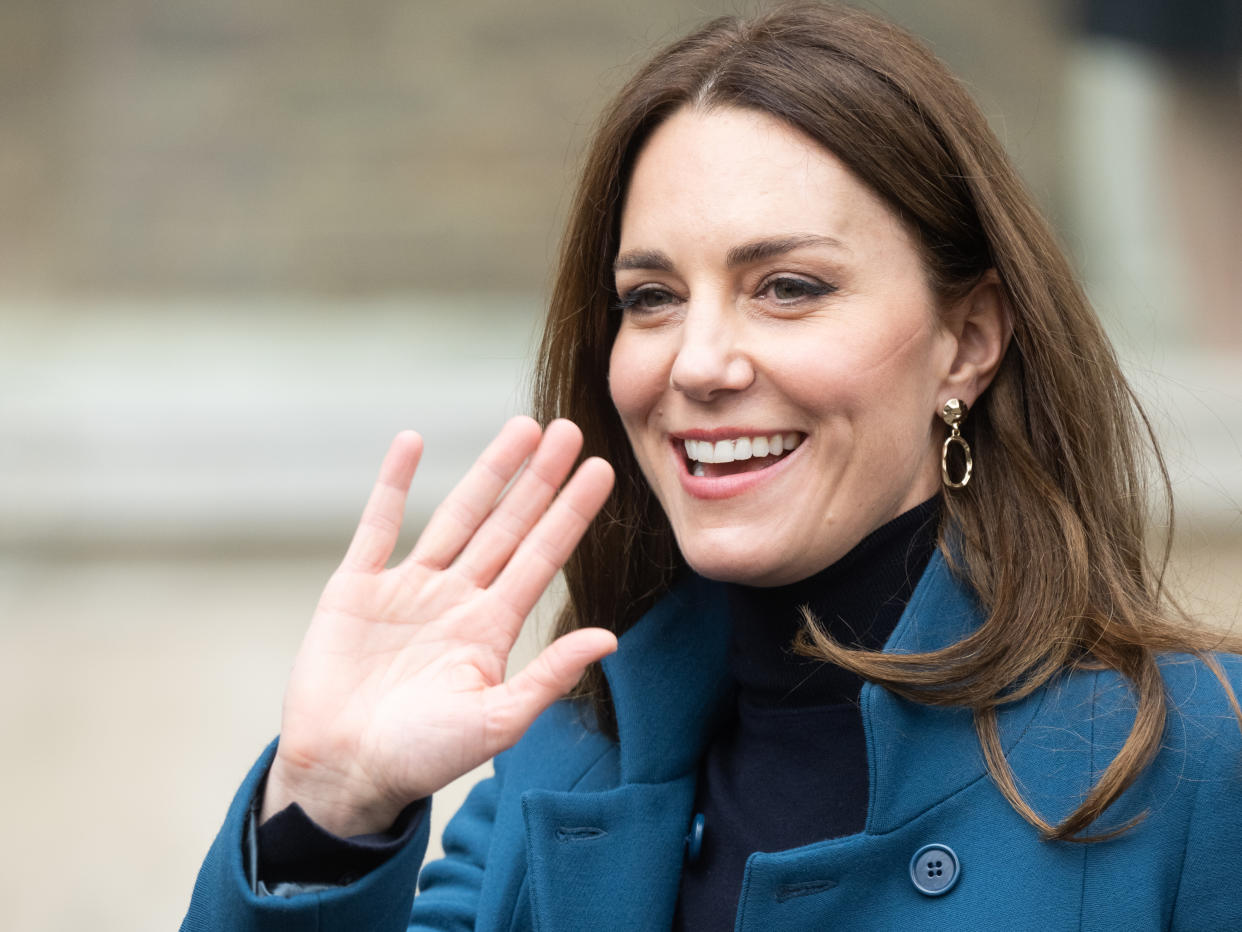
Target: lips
[(722, 463)]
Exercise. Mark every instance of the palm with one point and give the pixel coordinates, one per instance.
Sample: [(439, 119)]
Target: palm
[(399, 686)]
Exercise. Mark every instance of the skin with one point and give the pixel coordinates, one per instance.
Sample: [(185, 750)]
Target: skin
[(399, 686), (832, 333)]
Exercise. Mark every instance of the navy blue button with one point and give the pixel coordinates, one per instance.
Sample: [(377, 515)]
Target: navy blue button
[(934, 869), (694, 841)]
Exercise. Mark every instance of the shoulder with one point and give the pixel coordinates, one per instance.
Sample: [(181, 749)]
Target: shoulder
[(1195, 689), (1185, 804), (1195, 779), (1201, 729), (1197, 692), (1086, 718), (1201, 719)]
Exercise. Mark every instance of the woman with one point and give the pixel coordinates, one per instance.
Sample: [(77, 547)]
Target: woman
[(852, 396)]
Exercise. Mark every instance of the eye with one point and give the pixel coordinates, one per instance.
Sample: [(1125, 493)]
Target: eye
[(649, 298), (788, 290)]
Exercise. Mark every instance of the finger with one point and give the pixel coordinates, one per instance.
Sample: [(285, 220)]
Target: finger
[(552, 540), (380, 523), (456, 518), (511, 707), (522, 505)]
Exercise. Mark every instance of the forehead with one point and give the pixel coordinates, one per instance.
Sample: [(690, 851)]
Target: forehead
[(748, 173)]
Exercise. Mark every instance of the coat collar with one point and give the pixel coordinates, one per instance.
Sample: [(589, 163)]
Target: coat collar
[(903, 737), (589, 852), (669, 677), (668, 681)]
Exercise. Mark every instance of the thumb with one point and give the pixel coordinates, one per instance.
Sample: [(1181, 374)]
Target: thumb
[(514, 705)]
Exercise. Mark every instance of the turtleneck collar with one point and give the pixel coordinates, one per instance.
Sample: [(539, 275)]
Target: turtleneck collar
[(858, 600)]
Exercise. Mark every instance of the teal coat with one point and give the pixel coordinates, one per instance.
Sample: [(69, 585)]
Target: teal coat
[(577, 832)]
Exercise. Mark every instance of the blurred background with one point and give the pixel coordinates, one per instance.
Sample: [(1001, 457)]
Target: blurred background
[(244, 242)]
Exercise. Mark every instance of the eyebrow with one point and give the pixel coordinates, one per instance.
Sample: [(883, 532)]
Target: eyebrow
[(745, 254)]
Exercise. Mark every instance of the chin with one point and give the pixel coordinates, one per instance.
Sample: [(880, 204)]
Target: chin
[(745, 567), (761, 556)]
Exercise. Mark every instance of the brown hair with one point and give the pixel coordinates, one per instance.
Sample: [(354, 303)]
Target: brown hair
[(1050, 531)]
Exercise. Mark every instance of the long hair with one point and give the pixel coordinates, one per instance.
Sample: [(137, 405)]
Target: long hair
[(1050, 533)]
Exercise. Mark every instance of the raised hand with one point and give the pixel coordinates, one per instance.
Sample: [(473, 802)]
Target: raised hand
[(399, 686)]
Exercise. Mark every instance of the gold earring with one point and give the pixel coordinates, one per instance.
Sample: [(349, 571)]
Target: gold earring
[(953, 413)]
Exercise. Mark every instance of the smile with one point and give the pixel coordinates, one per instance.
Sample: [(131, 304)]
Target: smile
[(728, 457)]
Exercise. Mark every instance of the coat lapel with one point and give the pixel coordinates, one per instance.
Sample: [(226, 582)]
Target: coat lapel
[(669, 683), (903, 736), (612, 859)]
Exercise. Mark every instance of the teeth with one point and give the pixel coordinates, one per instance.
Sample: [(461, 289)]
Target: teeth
[(740, 448), (697, 470)]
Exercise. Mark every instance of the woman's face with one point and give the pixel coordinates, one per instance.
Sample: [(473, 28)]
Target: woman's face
[(780, 361)]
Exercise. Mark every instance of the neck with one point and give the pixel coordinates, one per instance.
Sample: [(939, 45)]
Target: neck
[(858, 600)]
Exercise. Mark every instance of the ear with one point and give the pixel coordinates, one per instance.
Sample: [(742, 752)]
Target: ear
[(980, 325)]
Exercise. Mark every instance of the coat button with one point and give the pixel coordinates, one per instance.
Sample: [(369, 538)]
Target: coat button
[(934, 869), (694, 841)]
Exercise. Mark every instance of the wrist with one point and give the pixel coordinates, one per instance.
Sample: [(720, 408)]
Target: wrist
[(335, 802)]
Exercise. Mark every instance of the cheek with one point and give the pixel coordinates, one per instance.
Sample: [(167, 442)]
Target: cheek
[(880, 387), (846, 372), (619, 378), (633, 381), (635, 387)]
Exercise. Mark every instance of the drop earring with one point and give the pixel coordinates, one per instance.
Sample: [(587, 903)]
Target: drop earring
[(953, 413)]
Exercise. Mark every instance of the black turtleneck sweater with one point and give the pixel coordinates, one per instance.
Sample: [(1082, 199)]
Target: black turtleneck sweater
[(789, 767)]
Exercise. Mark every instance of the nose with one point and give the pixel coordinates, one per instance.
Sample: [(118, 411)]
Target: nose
[(711, 357)]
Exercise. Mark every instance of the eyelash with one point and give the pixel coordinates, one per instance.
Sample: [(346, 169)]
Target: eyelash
[(810, 289), (629, 300)]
